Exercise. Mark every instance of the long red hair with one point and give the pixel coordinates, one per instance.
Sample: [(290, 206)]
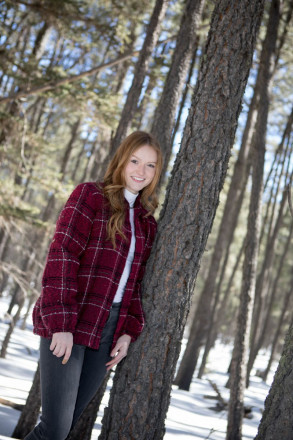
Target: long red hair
[(114, 181)]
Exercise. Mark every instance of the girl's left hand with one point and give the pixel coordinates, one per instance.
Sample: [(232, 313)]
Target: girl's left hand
[(119, 351)]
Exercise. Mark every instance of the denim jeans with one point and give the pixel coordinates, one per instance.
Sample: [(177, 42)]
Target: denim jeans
[(67, 389)]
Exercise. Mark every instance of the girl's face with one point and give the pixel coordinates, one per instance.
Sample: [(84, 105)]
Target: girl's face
[(140, 170)]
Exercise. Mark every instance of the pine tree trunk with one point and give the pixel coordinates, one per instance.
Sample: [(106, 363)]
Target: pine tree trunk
[(186, 89), (30, 412), (239, 358), (285, 302), (152, 35), (278, 330), (141, 391), (218, 313), (11, 328), (262, 281), (66, 155), (277, 420), (262, 288), (278, 167), (164, 119)]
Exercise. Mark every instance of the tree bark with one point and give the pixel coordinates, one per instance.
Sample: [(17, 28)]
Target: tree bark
[(238, 364), (141, 390), (164, 119), (277, 420), (152, 35)]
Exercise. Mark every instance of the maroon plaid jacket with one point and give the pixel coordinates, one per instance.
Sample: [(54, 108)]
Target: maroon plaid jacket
[(83, 270)]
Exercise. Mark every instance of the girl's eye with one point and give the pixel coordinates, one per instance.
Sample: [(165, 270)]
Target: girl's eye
[(133, 160), (151, 165)]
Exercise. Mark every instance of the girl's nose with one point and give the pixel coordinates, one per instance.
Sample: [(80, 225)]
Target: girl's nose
[(140, 170)]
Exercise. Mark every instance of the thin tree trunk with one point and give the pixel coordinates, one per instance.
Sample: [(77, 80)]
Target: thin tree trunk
[(141, 391), (152, 35), (79, 159), (280, 159), (164, 119), (186, 89), (65, 159), (262, 289), (238, 365), (277, 419), (11, 328), (219, 307), (278, 330), (218, 314), (30, 412), (152, 82)]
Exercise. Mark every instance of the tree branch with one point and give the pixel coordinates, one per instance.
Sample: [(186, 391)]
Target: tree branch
[(50, 86)]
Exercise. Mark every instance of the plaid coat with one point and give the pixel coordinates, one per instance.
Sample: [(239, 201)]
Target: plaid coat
[(83, 270)]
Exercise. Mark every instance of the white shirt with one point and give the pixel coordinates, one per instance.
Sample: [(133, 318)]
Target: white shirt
[(130, 197)]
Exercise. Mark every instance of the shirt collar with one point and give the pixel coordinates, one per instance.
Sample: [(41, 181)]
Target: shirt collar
[(130, 197)]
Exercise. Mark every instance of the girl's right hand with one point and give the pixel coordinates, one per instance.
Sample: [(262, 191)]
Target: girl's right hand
[(61, 344)]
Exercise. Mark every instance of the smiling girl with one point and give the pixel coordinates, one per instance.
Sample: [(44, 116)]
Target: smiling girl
[(90, 307)]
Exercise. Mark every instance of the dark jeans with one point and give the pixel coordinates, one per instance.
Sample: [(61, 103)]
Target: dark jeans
[(67, 389)]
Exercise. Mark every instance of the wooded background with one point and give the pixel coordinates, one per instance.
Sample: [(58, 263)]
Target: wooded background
[(212, 80)]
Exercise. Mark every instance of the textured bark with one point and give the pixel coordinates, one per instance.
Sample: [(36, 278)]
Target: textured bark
[(241, 343), (152, 35), (164, 119), (277, 420), (141, 391), (30, 412)]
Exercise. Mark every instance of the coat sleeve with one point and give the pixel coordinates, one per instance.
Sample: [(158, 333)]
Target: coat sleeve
[(58, 301), (135, 318)]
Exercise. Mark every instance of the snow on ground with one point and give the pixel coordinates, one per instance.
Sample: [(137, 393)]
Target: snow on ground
[(190, 416)]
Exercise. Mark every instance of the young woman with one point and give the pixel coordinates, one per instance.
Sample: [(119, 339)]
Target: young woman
[(90, 307)]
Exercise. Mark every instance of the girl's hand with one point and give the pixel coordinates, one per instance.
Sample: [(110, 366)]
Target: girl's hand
[(61, 344), (119, 351)]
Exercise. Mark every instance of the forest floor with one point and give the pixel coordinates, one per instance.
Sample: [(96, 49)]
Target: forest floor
[(191, 415)]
